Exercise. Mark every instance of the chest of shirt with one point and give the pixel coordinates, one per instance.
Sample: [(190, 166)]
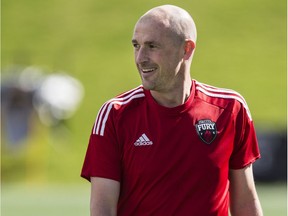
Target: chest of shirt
[(153, 141)]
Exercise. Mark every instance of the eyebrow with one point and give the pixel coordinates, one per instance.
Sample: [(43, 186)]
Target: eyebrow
[(146, 42)]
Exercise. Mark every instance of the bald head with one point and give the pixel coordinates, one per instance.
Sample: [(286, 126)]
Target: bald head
[(174, 18)]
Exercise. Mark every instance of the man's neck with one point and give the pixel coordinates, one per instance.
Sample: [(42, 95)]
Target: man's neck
[(175, 97)]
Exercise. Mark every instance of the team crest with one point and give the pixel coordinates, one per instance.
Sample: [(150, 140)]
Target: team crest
[(206, 130)]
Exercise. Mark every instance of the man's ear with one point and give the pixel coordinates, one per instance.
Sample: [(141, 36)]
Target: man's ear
[(188, 48)]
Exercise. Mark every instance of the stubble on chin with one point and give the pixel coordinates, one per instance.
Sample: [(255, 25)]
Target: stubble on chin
[(147, 85)]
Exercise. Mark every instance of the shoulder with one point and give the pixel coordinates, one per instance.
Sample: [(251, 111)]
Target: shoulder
[(221, 97), (116, 106), (125, 99)]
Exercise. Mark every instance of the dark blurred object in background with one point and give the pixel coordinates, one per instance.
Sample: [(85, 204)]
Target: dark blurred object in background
[(26, 90), (18, 86), (273, 163)]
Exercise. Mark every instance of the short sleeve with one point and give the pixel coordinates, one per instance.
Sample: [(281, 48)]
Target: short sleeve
[(246, 150), (102, 157)]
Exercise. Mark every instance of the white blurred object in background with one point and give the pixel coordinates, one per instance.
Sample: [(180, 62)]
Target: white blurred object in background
[(58, 98)]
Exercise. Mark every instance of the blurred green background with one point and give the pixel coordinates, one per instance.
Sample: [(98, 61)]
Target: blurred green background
[(241, 45)]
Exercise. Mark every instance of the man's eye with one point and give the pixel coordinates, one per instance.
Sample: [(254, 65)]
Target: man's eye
[(136, 46), (152, 46)]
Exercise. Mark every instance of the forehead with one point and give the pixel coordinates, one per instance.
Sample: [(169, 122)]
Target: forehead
[(149, 30)]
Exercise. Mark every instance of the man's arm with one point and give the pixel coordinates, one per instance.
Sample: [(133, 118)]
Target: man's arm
[(244, 200), (104, 197)]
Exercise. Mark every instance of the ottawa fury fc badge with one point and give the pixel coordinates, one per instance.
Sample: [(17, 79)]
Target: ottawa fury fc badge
[(206, 130)]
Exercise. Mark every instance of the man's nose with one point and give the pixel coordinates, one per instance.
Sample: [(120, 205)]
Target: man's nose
[(142, 55)]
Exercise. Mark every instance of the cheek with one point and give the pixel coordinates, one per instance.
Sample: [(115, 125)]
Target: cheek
[(174, 60), (170, 64), (135, 56)]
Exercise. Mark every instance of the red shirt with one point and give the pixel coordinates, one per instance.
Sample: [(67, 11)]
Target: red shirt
[(172, 161)]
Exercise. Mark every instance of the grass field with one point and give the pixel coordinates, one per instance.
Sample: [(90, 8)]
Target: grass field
[(73, 200)]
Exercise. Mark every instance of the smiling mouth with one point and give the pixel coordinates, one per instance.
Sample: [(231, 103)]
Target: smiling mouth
[(147, 70)]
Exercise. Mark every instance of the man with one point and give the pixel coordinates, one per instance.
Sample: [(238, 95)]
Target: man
[(172, 146)]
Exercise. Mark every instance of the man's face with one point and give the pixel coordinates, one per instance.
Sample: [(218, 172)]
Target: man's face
[(157, 55)]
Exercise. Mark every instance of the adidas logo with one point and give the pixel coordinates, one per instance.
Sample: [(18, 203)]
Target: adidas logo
[(143, 141)]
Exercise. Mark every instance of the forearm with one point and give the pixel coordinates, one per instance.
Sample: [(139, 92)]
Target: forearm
[(104, 197), (244, 200), (248, 208), (100, 210)]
